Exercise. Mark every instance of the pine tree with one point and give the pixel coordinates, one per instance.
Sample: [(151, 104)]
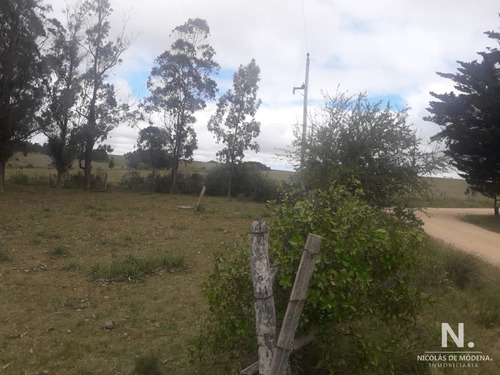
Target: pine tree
[(470, 121)]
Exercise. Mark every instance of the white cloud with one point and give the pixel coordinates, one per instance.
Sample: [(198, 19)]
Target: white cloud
[(386, 47)]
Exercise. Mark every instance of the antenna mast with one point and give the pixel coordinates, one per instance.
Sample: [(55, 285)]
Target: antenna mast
[(304, 87)]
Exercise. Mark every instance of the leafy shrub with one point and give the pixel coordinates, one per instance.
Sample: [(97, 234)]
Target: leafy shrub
[(247, 181), (362, 281), (227, 339), (132, 181), (77, 180)]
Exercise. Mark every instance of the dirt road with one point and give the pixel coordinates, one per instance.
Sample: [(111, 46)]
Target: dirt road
[(446, 224)]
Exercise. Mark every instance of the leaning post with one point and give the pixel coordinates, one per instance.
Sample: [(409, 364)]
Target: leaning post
[(265, 314), (284, 346)]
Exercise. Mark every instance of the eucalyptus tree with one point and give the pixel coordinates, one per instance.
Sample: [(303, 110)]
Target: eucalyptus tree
[(60, 116), (22, 74), (180, 83), (234, 122), (99, 109), (470, 121)]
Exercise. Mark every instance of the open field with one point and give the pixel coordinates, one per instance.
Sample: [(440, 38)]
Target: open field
[(52, 312), (449, 192), (34, 167)]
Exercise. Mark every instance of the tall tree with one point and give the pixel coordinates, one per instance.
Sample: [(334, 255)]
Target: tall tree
[(234, 122), (180, 83), (370, 142), (470, 121), (100, 109), (60, 112), (22, 74)]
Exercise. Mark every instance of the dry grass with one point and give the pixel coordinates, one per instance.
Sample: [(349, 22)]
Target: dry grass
[(488, 222), (52, 310)]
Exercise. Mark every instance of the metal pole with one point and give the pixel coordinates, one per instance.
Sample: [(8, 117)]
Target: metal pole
[(304, 119)]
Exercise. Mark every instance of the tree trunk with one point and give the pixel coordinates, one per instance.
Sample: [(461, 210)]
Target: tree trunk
[(2, 177), (229, 182), (59, 179), (496, 205), (87, 168), (173, 188)]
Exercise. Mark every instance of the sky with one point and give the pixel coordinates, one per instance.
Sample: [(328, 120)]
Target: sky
[(390, 49)]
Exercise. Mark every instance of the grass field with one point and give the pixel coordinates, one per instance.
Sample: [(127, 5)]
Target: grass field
[(52, 310)]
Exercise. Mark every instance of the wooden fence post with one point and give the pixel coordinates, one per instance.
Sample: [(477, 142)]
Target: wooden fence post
[(265, 314), (284, 346)]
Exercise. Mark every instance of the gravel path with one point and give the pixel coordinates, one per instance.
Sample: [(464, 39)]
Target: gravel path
[(447, 225)]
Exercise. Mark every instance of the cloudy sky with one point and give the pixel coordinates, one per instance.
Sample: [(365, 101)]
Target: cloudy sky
[(391, 49)]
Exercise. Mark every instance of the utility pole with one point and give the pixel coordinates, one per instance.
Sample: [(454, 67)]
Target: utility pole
[(304, 87)]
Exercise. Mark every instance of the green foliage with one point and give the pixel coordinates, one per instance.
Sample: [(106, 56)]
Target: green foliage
[(148, 364), (248, 181), (134, 269), (469, 119), (372, 143), (22, 75), (234, 122), (100, 110), (362, 283), (132, 181), (365, 260), (59, 251), (152, 148), (180, 83), (227, 338)]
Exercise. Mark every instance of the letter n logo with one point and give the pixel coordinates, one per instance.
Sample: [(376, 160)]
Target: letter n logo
[(457, 339)]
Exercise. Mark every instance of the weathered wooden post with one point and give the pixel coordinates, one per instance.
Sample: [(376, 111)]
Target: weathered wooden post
[(265, 314), (284, 346), (202, 193)]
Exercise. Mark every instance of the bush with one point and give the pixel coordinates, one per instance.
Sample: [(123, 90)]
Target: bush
[(132, 181), (77, 180), (462, 268), (247, 181), (362, 282), (148, 364)]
